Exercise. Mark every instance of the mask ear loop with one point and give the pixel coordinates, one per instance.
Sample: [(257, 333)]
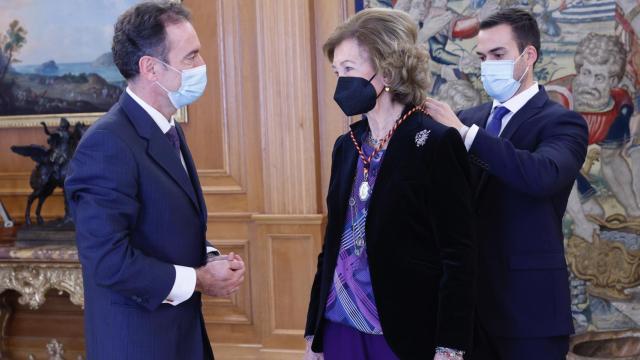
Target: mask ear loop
[(172, 68), (523, 74), (385, 88), (162, 87), (526, 69)]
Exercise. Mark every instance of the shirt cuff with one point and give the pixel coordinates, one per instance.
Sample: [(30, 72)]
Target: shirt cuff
[(183, 287), (211, 249), (463, 131), (470, 136)]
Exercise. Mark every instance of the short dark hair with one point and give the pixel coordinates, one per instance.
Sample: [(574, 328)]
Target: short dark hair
[(140, 31), (523, 25)]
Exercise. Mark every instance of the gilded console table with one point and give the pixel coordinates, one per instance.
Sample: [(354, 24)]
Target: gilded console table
[(32, 271)]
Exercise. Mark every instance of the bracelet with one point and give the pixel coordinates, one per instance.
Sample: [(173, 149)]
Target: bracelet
[(450, 353)]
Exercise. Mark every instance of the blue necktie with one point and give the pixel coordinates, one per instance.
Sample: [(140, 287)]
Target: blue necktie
[(172, 135), (495, 124)]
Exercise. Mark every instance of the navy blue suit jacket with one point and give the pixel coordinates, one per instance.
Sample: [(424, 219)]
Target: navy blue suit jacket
[(523, 180), (137, 212)]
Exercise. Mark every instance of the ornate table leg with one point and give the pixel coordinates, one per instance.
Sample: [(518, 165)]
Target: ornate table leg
[(5, 314)]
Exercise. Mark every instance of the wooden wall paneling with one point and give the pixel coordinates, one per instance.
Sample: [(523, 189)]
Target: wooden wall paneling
[(232, 183), (206, 130), (235, 309), (331, 120), (287, 106), (285, 249), (231, 225), (224, 124), (231, 319)]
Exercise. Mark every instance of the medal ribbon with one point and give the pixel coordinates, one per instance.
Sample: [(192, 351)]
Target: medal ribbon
[(367, 161)]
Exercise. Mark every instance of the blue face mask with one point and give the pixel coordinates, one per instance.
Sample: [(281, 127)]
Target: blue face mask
[(497, 78), (192, 84)]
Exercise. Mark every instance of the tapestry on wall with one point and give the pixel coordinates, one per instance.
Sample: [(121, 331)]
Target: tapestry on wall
[(590, 63)]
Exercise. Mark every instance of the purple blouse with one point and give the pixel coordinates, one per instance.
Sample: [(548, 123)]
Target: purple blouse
[(351, 301)]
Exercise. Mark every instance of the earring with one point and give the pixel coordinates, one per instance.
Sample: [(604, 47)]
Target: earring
[(386, 88)]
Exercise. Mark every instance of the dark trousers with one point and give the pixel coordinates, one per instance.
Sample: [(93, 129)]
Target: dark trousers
[(488, 347)]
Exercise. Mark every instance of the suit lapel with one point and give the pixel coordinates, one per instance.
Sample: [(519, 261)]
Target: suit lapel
[(158, 147), (399, 145), (344, 181), (349, 165), (403, 137), (193, 172), (478, 117), (528, 111), (532, 107)]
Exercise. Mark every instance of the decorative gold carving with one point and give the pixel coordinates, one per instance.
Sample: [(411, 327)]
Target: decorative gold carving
[(609, 267), (32, 281), (55, 350), (46, 252)]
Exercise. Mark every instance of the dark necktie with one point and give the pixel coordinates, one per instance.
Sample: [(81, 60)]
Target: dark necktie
[(495, 123), (174, 140)]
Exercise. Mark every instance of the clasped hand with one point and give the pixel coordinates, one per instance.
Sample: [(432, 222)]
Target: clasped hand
[(221, 277)]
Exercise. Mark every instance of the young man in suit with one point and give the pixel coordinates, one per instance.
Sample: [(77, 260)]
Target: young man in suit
[(137, 204), (526, 152)]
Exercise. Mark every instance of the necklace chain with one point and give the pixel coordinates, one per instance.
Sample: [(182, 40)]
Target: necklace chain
[(372, 141), (367, 161), (365, 189)]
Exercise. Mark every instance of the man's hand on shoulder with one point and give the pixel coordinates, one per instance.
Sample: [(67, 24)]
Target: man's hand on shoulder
[(443, 113)]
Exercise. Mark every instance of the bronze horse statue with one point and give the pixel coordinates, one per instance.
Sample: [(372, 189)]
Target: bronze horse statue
[(51, 165)]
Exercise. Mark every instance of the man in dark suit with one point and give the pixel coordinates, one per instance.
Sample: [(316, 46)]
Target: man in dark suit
[(137, 204), (526, 152)]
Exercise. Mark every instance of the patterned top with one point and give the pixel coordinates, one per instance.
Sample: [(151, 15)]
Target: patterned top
[(351, 301)]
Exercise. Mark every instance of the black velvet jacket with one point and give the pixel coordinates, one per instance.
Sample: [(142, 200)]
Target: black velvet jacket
[(420, 245)]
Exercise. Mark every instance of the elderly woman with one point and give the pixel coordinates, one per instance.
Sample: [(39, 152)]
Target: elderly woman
[(396, 276)]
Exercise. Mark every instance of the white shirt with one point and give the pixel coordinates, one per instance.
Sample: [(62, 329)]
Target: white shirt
[(185, 283), (162, 122), (514, 105)]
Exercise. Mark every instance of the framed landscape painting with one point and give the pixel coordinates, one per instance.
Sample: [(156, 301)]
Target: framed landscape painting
[(55, 60)]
